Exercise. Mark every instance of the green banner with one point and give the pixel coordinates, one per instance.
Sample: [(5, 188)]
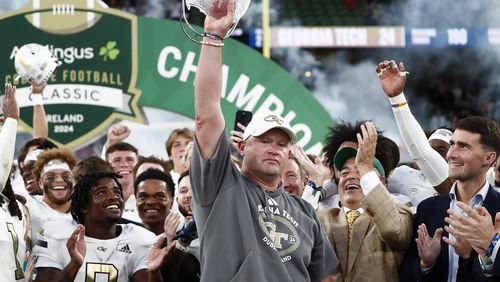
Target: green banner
[(115, 62)]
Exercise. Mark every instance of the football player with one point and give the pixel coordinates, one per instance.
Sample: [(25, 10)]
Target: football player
[(14, 217), (52, 171), (98, 249)]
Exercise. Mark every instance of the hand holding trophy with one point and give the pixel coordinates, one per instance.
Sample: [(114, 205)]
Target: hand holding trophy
[(215, 10)]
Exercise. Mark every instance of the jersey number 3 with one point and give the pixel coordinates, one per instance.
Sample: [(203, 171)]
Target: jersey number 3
[(19, 274), (94, 269)]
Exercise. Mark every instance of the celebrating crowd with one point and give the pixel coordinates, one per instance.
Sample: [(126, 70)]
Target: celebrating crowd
[(254, 207)]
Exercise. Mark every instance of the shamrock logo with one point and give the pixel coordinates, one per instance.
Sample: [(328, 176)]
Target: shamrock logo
[(109, 51)]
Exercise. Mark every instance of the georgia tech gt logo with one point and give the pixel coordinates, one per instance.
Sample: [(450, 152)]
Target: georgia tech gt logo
[(280, 229), (274, 118)]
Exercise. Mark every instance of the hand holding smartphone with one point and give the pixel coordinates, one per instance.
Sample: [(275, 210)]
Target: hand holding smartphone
[(242, 117)]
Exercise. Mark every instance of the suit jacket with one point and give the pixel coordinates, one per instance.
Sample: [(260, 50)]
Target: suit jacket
[(432, 212), (496, 267), (380, 238)]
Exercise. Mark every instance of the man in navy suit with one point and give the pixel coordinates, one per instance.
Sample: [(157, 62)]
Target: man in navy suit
[(476, 227), (436, 254)]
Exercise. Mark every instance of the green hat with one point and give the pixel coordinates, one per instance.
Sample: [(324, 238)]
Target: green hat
[(349, 152)]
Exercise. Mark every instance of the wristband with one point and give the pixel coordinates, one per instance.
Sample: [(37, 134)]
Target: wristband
[(489, 252), (493, 243), (311, 184), (399, 105), (36, 99), (212, 44), (400, 98), (213, 36)]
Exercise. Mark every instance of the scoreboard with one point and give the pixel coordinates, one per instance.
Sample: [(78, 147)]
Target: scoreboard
[(375, 37)]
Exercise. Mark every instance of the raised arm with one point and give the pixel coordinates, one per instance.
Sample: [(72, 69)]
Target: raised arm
[(10, 110), (40, 126), (314, 171), (208, 81), (116, 134), (394, 223), (433, 166)]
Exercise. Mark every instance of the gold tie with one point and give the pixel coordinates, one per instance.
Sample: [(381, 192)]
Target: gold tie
[(351, 217)]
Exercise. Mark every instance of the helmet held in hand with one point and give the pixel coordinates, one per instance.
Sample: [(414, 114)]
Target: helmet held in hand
[(35, 62)]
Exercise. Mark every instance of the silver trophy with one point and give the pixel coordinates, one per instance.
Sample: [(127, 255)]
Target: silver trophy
[(205, 5)]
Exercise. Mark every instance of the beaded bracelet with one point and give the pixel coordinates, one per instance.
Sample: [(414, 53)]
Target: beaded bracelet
[(212, 44), (399, 104), (493, 243), (213, 36), (489, 252)]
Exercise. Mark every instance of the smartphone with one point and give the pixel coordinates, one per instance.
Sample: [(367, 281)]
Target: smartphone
[(242, 117)]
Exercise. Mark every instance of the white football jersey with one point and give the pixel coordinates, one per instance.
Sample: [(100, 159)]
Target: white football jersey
[(110, 260), (42, 213), (410, 182), (12, 243), (130, 211), (175, 179)]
